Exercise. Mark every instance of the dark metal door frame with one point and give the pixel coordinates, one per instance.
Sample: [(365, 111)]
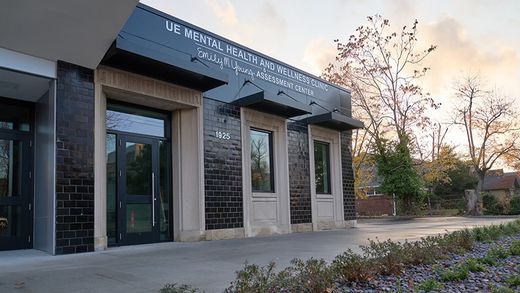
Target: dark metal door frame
[(24, 200), (126, 238)]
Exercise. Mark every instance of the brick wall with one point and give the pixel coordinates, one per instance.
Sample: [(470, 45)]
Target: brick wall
[(222, 166), (299, 173), (349, 197), (74, 159)]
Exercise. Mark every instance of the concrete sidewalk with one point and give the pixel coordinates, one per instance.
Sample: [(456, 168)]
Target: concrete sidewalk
[(207, 265)]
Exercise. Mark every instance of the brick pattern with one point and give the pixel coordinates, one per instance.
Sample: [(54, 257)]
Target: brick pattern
[(349, 197), (299, 173), (74, 159), (222, 166)]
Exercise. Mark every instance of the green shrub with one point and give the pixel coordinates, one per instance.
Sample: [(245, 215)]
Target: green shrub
[(514, 249), (459, 273), (352, 267), (502, 289), (488, 260), (498, 252), (513, 281), (429, 285), (474, 265), (515, 206), (178, 288), (491, 205)]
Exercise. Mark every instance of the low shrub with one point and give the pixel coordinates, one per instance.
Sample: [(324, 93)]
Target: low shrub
[(458, 273), (513, 281), (429, 285), (488, 260), (312, 275), (257, 279), (178, 288), (491, 205), (515, 206), (389, 257), (498, 252), (352, 267), (514, 249), (502, 289), (474, 265)]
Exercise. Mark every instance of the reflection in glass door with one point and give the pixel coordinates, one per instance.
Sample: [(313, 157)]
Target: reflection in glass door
[(138, 176), (138, 159), (15, 192)]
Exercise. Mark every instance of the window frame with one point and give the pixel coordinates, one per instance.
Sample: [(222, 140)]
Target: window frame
[(271, 160), (329, 181)]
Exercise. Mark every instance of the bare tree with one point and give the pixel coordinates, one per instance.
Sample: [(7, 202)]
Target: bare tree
[(382, 68), (490, 122)]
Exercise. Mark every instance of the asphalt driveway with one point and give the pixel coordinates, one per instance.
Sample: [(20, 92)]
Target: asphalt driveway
[(209, 265)]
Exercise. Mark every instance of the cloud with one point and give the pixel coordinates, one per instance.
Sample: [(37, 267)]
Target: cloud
[(318, 54), (224, 10), (457, 54)]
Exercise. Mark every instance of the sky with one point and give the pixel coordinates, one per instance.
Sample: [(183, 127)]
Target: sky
[(473, 36)]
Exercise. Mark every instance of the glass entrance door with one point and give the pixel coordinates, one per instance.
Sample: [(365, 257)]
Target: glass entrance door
[(138, 175), (138, 157), (15, 190)]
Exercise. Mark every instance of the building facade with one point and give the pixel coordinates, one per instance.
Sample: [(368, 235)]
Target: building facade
[(172, 134)]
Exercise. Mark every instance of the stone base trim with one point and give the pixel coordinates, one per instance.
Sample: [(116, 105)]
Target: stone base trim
[(189, 236), (221, 234), (299, 228), (351, 224), (100, 243)]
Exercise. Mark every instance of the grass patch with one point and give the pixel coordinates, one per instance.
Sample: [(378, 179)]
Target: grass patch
[(429, 285), (498, 252), (513, 281), (474, 265), (514, 249), (459, 273), (502, 289)]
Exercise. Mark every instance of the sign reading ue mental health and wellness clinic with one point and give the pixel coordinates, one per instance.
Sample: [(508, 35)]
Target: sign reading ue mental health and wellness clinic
[(226, 55)]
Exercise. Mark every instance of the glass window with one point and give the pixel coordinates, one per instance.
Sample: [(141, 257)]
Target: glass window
[(10, 168), (10, 220), (134, 120), (111, 188), (164, 147), (322, 167), (261, 161), (138, 168), (138, 217), (14, 117)]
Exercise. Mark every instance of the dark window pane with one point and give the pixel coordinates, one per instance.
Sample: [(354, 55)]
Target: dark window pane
[(261, 164), (15, 117), (134, 120), (138, 168), (138, 217), (164, 148), (111, 187), (10, 167), (322, 167), (10, 220)]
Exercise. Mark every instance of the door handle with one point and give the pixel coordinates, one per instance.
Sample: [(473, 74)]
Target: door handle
[(153, 199)]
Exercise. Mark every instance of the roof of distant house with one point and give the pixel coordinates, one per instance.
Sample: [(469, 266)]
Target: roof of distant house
[(498, 180)]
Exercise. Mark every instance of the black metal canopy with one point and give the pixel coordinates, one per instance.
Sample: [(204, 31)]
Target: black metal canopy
[(141, 56), (278, 104), (334, 120)]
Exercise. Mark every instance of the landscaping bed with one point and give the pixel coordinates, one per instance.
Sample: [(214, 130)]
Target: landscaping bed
[(483, 259)]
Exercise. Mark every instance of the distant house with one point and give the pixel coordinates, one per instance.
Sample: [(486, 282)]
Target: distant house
[(502, 184)]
